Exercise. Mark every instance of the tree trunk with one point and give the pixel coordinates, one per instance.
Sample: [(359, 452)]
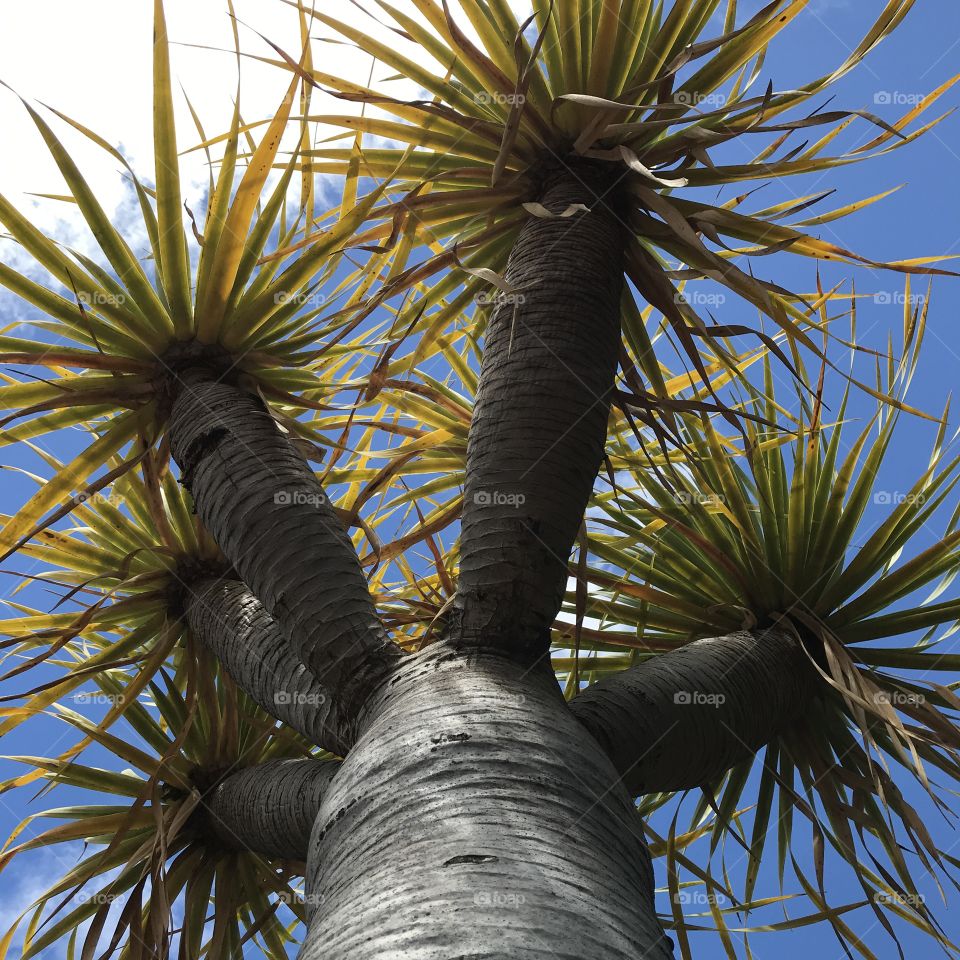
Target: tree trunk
[(680, 720), (268, 513), (476, 815), (269, 808), (539, 425), (476, 818), (232, 624)]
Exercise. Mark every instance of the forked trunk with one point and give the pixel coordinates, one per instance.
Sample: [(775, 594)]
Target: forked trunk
[(271, 518), (476, 818)]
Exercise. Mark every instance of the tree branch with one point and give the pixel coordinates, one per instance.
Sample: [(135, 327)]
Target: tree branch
[(233, 625), (539, 425), (271, 518), (269, 808), (680, 720)]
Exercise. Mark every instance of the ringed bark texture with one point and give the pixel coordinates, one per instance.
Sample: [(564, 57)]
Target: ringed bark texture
[(540, 421), (680, 720), (476, 818), (270, 808), (265, 508), (233, 625)]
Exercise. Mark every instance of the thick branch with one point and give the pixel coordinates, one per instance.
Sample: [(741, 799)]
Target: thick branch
[(539, 426), (232, 624), (265, 508), (680, 720), (269, 808)]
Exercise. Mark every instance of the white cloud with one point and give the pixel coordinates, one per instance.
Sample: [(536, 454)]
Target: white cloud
[(93, 62), (29, 877)]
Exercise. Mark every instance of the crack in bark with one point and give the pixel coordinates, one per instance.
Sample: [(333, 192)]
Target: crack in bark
[(200, 447), (469, 858)]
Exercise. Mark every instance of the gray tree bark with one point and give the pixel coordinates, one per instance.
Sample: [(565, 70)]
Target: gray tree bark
[(682, 719), (271, 518), (476, 818), (233, 625), (539, 424)]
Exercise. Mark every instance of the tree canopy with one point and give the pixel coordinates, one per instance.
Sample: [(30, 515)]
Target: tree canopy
[(731, 497)]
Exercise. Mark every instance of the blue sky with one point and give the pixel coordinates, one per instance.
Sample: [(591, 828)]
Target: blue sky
[(922, 218)]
